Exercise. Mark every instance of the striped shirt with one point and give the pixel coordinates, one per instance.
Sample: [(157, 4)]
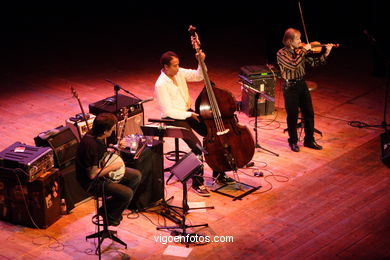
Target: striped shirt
[(292, 65)]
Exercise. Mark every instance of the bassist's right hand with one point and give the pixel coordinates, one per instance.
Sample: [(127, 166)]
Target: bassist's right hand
[(195, 116)]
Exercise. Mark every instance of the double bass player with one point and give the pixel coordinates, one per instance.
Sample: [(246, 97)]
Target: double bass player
[(171, 91)]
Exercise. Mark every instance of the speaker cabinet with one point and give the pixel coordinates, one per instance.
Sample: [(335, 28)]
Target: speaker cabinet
[(264, 107), (262, 78), (64, 144), (32, 204), (385, 148), (135, 112)]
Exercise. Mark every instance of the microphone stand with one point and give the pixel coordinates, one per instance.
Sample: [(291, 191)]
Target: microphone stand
[(373, 42), (257, 95), (117, 87)]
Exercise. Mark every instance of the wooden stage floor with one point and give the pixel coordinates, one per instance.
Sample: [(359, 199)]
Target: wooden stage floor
[(329, 204)]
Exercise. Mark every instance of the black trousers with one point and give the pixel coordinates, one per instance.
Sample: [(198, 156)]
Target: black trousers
[(297, 97), (118, 195), (193, 142)]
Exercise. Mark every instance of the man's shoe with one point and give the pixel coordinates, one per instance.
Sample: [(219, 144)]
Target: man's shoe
[(110, 220), (224, 179), (312, 145), (201, 190), (294, 147), (113, 222)]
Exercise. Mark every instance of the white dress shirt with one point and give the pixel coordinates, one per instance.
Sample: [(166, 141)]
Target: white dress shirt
[(175, 100)]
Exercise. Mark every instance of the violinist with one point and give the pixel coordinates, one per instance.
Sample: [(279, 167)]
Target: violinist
[(292, 59), (171, 91)]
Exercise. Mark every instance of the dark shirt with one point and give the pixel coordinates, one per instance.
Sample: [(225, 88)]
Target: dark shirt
[(89, 153), (292, 64)]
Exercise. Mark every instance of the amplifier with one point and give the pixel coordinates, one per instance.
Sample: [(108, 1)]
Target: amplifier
[(133, 124), (32, 160), (259, 71), (63, 142), (135, 115), (260, 78), (79, 127), (108, 105)]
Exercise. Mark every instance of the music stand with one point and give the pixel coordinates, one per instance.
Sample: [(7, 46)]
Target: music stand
[(187, 166), (257, 95), (174, 132)]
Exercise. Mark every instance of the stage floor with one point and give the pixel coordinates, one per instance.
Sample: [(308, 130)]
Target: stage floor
[(329, 204)]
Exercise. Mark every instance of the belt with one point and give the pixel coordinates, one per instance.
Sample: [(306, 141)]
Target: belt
[(292, 81)]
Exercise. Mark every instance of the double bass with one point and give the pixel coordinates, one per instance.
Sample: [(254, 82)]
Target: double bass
[(229, 145)]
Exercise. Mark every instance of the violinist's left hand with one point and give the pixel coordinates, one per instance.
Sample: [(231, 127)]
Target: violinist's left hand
[(328, 49)]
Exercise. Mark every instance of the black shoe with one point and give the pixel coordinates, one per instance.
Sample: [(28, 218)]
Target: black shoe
[(294, 147), (110, 220), (201, 190), (224, 179), (113, 222), (312, 145)]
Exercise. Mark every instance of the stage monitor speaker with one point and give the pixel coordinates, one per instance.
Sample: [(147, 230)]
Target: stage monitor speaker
[(188, 165), (385, 148), (42, 197), (64, 144)]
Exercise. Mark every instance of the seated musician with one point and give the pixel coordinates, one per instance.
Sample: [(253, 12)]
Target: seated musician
[(171, 91), (89, 159)]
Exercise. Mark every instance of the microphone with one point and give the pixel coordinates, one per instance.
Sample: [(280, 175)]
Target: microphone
[(145, 100), (109, 81)]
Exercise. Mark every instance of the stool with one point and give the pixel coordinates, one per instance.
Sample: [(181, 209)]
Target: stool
[(101, 221)]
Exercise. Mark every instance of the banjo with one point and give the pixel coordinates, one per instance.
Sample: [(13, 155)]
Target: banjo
[(117, 175)]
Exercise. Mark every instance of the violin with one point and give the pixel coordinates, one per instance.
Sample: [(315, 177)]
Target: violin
[(316, 47)]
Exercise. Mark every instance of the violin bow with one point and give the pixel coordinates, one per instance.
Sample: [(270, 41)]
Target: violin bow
[(303, 21)]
